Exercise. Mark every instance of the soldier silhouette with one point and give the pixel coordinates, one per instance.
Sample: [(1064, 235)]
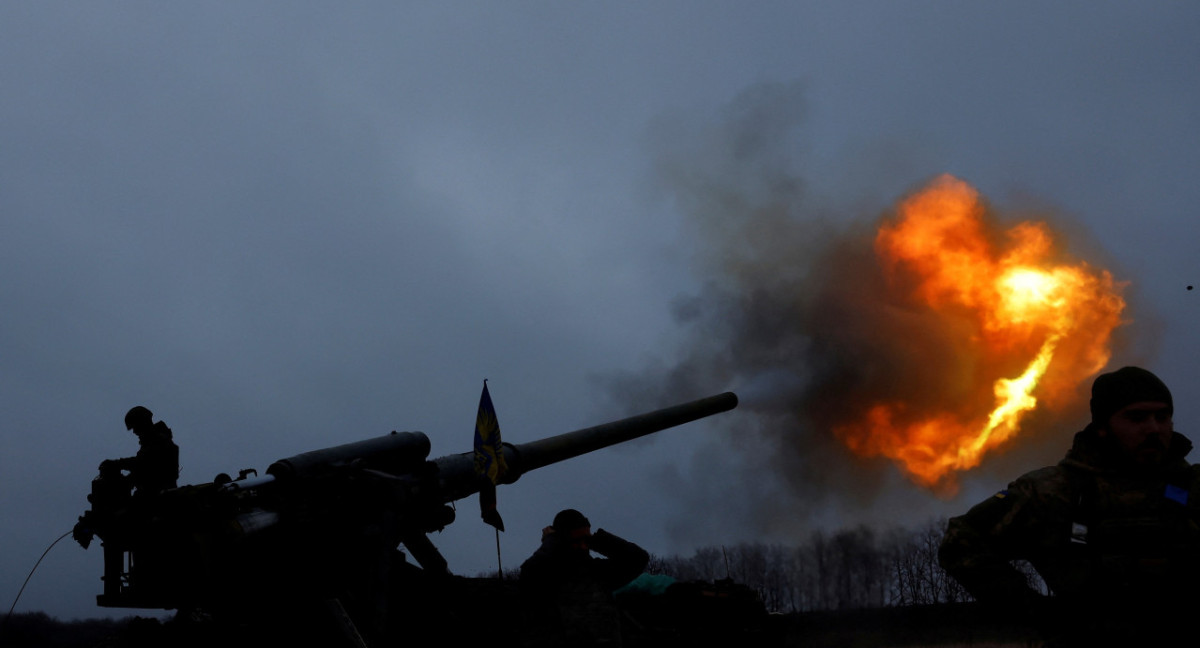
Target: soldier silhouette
[(117, 516), (568, 592), (155, 467), (1113, 529)]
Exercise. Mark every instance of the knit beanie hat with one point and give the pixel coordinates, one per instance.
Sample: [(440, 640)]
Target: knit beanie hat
[(1125, 386), (570, 519)]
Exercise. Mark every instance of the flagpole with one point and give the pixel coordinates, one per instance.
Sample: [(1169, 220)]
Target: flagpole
[(499, 566), (489, 464)]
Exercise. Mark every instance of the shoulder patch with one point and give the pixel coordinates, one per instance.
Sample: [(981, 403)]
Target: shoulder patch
[(1176, 494)]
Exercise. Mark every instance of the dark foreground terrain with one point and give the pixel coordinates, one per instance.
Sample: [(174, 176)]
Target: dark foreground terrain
[(959, 625)]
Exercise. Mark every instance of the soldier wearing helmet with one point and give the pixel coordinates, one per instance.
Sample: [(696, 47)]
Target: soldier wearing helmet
[(1113, 529), (155, 467), (115, 515)]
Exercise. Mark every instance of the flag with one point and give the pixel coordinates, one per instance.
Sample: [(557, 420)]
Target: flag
[(489, 458)]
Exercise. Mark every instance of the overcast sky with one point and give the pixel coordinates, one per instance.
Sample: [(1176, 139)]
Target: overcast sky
[(285, 226)]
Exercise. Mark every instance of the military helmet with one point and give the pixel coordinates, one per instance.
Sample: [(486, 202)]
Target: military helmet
[(137, 417)]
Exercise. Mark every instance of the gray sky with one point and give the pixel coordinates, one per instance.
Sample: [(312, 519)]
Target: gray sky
[(285, 228)]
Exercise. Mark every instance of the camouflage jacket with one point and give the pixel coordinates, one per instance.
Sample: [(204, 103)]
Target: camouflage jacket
[(1095, 531), (569, 595)]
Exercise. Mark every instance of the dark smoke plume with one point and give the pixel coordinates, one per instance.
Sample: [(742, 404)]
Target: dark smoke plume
[(795, 316)]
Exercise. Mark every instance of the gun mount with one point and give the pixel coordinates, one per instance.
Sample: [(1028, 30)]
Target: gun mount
[(322, 527)]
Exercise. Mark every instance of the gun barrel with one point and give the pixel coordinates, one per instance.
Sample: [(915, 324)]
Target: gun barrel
[(393, 453), (458, 479), (543, 452)]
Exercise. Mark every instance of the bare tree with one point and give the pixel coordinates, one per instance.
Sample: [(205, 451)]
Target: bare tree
[(853, 568), (917, 576)]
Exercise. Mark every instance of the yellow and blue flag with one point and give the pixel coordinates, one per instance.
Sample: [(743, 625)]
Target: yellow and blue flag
[(489, 458)]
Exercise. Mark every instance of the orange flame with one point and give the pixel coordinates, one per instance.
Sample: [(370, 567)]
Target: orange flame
[(1036, 326)]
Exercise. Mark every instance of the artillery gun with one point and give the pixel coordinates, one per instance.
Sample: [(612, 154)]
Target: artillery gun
[(318, 535)]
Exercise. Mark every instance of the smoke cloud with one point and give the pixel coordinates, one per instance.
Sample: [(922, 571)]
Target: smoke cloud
[(794, 314)]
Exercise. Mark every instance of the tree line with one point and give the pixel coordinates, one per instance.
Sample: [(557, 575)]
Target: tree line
[(849, 569)]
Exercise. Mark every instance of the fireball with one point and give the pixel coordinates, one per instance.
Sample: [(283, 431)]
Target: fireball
[(1037, 322)]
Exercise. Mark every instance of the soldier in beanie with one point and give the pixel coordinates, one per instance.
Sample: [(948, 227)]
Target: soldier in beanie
[(1132, 413), (567, 592), (1113, 529)]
